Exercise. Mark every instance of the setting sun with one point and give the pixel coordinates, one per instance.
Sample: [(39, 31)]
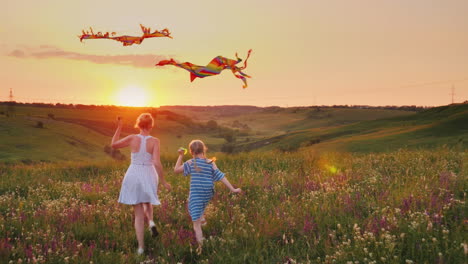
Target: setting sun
[(132, 96)]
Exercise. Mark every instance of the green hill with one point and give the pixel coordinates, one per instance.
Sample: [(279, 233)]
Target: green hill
[(30, 139), (277, 120), (446, 125), (84, 132)]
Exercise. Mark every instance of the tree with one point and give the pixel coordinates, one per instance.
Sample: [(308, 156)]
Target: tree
[(212, 124), (229, 137)]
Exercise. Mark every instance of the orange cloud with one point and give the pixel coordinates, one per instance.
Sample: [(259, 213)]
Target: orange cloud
[(46, 52)]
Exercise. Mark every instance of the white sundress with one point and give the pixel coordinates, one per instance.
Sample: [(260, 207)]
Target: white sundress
[(140, 184)]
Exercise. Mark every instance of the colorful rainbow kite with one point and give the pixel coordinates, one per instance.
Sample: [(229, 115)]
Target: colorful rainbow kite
[(126, 40), (215, 67)]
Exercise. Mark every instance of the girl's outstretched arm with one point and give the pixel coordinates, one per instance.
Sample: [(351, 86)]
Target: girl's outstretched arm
[(120, 143), (229, 185), (179, 167), (158, 165)]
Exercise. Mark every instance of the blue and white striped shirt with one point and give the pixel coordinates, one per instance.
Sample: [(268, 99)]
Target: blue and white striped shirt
[(203, 176)]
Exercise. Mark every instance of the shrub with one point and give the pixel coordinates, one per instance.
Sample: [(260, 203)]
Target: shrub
[(39, 124), (212, 125)]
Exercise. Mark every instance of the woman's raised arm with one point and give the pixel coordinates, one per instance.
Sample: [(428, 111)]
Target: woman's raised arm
[(116, 141)]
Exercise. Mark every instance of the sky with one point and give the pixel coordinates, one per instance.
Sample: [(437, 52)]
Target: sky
[(305, 52)]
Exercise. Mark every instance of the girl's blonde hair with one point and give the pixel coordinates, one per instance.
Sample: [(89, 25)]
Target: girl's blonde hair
[(197, 147), (144, 121)]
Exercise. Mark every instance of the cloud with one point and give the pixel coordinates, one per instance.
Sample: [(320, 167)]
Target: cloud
[(17, 53), (46, 52)]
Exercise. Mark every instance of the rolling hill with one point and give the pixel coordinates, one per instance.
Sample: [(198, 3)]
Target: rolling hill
[(445, 125), (52, 133)]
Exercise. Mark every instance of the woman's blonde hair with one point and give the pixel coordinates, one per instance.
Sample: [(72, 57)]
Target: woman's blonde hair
[(144, 121)]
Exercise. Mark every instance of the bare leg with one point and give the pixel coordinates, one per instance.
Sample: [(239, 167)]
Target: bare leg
[(148, 209), (198, 231), (139, 224), (203, 220)]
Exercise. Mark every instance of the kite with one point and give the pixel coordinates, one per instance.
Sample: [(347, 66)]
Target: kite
[(215, 67), (126, 40)]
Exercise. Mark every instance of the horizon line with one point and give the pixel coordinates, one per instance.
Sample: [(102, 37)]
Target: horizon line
[(221, 105)]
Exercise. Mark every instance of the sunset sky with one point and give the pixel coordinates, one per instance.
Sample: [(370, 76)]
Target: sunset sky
[(305, 52)]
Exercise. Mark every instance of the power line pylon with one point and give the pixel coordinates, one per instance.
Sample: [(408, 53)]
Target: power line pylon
[(11, 95)]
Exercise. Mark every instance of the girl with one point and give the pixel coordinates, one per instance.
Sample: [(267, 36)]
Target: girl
[(140, 184), (203, 175)]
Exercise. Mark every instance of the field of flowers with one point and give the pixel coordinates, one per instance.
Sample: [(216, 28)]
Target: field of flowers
[(302, 207)]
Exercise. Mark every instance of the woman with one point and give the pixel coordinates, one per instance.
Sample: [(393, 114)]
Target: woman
[(140, 184)]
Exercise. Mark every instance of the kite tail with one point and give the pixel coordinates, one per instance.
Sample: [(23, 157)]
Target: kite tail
[(238, 59), (246, 59), (166, 62), (243, 80), (245, 75)]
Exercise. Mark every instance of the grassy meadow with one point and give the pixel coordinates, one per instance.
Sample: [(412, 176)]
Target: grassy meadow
[(321, 185), (405, 206)]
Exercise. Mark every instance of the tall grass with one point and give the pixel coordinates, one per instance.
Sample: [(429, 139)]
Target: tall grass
[(303, 207)]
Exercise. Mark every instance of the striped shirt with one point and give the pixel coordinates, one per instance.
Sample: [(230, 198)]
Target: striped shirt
[(203, 176)]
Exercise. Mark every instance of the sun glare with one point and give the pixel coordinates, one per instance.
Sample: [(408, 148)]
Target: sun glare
[(132, 96)]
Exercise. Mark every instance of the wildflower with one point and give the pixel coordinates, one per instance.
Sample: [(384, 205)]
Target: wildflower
[(429, 226)]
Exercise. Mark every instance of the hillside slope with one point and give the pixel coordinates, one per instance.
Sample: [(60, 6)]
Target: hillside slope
[(82, 132), (446, 125), (22, 139)]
